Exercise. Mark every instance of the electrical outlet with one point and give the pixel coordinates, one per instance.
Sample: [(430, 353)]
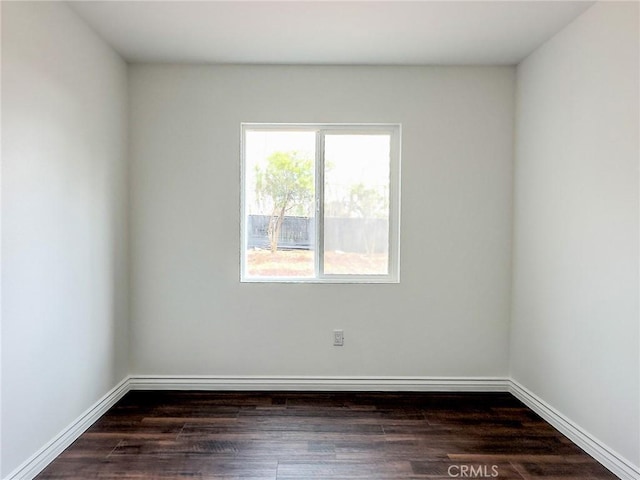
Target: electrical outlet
[(338, 338)]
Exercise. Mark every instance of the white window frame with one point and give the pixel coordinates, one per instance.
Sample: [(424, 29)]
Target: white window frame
[(321, 130)]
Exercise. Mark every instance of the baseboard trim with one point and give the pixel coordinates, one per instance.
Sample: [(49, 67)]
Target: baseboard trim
[(43, 457), (613, 461), (598, 450), (397, 384)]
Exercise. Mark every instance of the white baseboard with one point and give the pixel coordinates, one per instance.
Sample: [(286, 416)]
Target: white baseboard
[(598, 450), (43, 457), (395, 384), (615, 462)]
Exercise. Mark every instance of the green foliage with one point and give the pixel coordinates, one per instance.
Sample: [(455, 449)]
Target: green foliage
[(286, 183)]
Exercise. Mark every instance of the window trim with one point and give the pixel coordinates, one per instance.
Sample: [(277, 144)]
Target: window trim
[(321, 130)]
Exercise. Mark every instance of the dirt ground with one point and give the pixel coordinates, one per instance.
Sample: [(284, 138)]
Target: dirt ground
[(299, 263)]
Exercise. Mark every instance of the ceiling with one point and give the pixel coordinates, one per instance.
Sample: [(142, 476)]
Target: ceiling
[(328, 32)]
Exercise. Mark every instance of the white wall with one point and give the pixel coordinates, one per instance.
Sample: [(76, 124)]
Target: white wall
[(64, 234), (449, 314), (575, 329)]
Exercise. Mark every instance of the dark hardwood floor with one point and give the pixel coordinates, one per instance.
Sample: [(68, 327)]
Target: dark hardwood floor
[(259, 436)]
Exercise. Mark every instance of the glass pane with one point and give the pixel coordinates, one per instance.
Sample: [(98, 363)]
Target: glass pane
[(279, 203), (356, 204)]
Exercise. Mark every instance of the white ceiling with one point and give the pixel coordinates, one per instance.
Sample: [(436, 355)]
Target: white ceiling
[(328, 32)]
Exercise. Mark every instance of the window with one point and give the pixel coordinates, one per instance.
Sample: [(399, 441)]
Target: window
[(320, 203)]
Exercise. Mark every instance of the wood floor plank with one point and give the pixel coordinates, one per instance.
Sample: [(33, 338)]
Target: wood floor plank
[(328, 435)]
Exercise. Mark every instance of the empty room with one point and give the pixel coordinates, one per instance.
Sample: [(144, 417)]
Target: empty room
[(253, 240)]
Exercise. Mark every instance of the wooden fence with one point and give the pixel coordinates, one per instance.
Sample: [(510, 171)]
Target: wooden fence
[(359, 235)]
